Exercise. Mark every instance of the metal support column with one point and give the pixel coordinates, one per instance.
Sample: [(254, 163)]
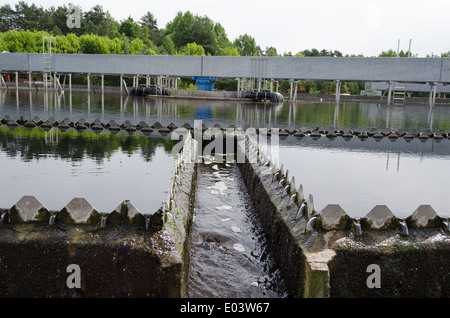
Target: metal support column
[(432, 98), (389, 100), (338, 91), (103, 83), (290, 91), (295, 91)]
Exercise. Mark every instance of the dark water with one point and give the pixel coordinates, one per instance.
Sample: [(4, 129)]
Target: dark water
[(361, 174), (105, 169), (166, 110), (228, 250)]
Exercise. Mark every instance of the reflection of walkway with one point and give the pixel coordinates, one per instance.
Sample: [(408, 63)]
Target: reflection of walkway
[(293, 115)]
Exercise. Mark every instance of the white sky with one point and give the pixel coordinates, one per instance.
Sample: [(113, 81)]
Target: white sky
[(349, 26)]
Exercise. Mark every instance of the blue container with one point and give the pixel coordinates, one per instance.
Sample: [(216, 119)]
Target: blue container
[(205, 83)]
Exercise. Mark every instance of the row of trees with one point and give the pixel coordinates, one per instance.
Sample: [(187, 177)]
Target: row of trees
[(99, 32), (23, 27)]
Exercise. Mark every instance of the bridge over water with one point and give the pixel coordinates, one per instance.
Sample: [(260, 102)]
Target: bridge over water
[(431, 72)]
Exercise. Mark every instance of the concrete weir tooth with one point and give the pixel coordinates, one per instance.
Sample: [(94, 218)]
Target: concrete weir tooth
[(142, 124), (301, 196), (36, 120), (378, 135), (424, 136), (310, 206), (386, 132), (6, 119), (380, 218), (187, 126), (126, 124), (82, 123), (400, 132), (63, 126), (283, 134), (27, 209), (111, 123), (29, 124), (172, 126), (157, 126), (372, 132), (126, 213), (68, 122), (333, 217), (12, 123), (79, 211), (424, 217), (97, 124), (393, 137), (164, 131), (22, 120)]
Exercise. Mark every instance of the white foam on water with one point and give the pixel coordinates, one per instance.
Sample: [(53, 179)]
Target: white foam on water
[(224, 207), (236, 229), (238, 247)]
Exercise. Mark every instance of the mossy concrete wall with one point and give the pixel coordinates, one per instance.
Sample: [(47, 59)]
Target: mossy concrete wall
[(117, 262), (416, 265), (326, 254), (121, 254)]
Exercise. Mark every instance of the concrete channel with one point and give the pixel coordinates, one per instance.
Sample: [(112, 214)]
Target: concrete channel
[(126, 254)]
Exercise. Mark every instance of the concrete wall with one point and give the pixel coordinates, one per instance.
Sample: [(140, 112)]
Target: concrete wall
[(326, 254), (419, 70)]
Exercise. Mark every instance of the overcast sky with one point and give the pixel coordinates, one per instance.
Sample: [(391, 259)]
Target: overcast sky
[(349, 26)]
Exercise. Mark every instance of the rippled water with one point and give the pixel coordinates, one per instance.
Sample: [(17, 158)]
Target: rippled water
[(179, 111), (228, 249), (361, 174), (105, 169)]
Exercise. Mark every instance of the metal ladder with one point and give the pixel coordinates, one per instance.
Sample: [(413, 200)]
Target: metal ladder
[(399, 94), (48, 47)]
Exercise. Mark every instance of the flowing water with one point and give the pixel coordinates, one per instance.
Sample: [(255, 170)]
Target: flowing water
[(229, 257)]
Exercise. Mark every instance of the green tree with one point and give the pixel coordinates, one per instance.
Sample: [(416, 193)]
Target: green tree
[(7, 15), (27, 16), (181, 29), (67, 44), (133, 30), (94, 44), (229, 51), (271, 51), (148, 21), (246, 45), (193, 49), (204, 34), (392, 53), (167, 46)]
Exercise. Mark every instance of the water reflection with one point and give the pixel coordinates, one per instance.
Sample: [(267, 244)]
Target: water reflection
[(75, 105), (361, 174), (105, 169)]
